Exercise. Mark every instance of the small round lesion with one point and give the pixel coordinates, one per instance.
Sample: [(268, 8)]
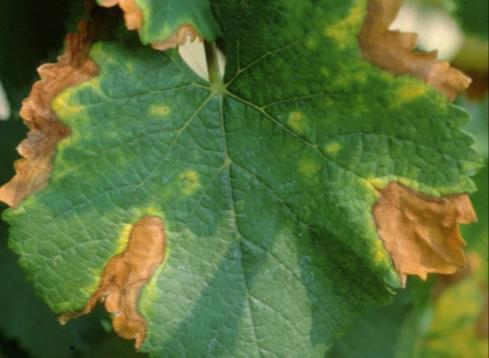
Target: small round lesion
[(159, 110)]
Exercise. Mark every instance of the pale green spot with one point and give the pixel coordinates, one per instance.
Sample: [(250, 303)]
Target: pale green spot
[(346, 77), (67, 104), (20, 210), (296, 121), (471, 166), (359, 76), (325, 72), (409, 91), (311, 43), (152, 211), (129, 67), (98, 51), (96, 277), (309, 167), (379, 254), (332, 148), (344, 31), (68, 141), (151, 290), (61, 105), (190, 182), (159, 110), (379, 183), (123, 238)]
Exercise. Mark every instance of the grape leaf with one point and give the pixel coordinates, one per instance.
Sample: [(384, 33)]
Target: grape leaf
[(168, 23), (264, 184)]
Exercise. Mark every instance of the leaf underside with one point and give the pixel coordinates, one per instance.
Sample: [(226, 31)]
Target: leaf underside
[(265, 183)]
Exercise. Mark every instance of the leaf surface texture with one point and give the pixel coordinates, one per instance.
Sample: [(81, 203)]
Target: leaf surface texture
[(264, 183)]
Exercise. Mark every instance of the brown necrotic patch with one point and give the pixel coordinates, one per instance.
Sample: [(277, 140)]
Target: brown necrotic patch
[(395, 51), (421, 233), (125, 275), (46, 131)]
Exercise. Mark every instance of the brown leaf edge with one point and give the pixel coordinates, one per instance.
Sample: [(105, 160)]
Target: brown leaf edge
[(395, 51), (134, 18), (45, 130), (125, 275), (422, 233)]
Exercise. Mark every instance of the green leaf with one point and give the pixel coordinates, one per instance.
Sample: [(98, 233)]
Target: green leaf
[(265, 182)]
